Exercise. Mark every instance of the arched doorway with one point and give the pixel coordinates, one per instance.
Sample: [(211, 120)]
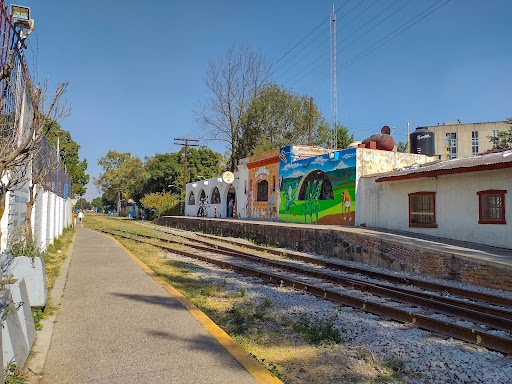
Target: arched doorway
[(215, 198), (319, 184), (191, 199), (231, 197)]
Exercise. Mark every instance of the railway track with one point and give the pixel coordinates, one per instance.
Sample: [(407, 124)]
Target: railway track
[(378, 298), (471, 295)]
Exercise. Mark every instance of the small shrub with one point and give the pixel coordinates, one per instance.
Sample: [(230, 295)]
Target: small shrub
[(267, 303), (317, 331), (18, 245), (14, 375), (395, 365), (37, 315)]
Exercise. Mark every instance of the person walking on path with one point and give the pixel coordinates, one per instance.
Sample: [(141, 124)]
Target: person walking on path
[(80, 215)]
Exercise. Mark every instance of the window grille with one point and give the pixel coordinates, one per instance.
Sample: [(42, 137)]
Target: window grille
[(422, 209), (491, 207), (262, 191)]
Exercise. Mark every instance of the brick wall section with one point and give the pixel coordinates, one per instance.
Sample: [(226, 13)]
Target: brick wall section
[(354, 247)]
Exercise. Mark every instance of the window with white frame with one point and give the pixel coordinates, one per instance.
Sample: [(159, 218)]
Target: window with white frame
[(451, 145), (191, 199), (474, 142)]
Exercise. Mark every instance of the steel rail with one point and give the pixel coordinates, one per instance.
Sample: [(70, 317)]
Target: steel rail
[(496, 300), (496, 317), (500, 344)]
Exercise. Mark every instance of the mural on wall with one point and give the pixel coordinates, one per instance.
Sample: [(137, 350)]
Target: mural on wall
[(318, 189)]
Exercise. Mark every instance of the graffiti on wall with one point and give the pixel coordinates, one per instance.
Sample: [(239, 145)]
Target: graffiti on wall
[(318, 189)]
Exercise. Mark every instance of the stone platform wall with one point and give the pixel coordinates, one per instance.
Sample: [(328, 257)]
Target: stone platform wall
[(354, 247)]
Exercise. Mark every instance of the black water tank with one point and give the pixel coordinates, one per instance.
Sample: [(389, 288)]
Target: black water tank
[(422, 141)]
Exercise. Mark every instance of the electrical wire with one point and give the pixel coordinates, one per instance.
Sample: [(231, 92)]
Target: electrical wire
[(384, 40), (358, 38), (326, 40), (304, 38)]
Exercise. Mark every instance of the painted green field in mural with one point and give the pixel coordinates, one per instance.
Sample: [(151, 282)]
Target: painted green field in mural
[(296, 213)]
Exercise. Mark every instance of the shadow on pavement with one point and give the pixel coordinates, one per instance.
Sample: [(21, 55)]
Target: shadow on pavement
[(168, 302)]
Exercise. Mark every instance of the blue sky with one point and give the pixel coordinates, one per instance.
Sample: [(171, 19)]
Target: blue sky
[(136, 68)]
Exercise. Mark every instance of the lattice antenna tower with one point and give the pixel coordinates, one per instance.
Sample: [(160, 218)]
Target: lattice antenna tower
[(334, 97)]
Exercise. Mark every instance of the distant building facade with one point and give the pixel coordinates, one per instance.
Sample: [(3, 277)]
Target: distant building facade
[(456, 140)]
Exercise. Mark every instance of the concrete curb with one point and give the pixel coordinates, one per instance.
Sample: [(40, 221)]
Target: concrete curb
[(35, 365), (260, 373)]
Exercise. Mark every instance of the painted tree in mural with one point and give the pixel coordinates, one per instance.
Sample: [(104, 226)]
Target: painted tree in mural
[(289, 199), (311, 203)]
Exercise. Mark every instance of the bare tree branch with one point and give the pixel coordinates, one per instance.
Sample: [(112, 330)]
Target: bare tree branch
[(232, 83)]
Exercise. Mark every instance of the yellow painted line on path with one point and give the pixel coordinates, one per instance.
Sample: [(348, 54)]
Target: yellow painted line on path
[(260, 373)]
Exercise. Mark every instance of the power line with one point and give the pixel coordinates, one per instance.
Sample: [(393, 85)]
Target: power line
[(309, 34), (383, 40), (325, 29), (357, 30), (342, 27)]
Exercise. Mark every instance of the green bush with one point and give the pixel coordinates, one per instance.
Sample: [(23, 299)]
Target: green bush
[(318, 331), (18, 245)]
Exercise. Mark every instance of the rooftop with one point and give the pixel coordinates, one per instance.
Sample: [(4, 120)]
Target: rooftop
[(483, 162)]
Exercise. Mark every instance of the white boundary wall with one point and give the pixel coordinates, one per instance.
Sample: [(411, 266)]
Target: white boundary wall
[(50, 215)]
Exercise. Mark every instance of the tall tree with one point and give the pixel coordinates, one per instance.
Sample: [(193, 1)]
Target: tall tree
[(232, 83), (68, 153), (504, 138), (167, 169), (344, 137), (279, 117), (123, 176), (98, 203)]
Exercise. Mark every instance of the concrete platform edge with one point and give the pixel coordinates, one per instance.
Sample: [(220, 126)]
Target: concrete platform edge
[(260, 373)]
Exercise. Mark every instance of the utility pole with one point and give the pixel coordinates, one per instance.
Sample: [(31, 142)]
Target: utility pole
[(310, 120), (186, 144), (118, 203)]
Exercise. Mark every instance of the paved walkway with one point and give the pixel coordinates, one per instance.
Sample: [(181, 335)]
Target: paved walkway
[(118, 325)]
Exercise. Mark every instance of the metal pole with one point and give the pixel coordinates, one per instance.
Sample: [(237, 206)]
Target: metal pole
[(310, 120), (408, 139)]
